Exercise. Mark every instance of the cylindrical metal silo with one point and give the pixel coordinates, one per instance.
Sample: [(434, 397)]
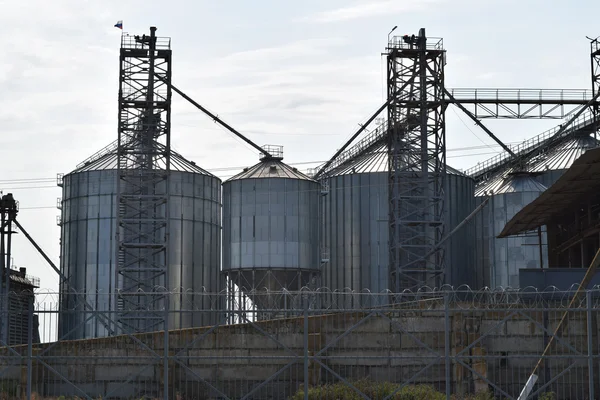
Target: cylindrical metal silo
[(356, 226), (460, 248), (499, 260), (88, 225), (270, 232)]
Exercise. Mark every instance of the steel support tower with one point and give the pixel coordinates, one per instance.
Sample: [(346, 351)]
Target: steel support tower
[(144, 149), (417, 160), (595, 58), (8, 212)]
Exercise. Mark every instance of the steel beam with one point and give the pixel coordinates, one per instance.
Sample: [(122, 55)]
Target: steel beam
[(218, 120), (482, 126)]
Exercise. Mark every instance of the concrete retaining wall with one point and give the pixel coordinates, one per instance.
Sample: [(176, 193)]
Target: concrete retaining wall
[(487, 348)]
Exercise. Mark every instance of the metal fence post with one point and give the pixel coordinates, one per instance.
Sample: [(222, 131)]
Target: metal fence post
[(29, 347), (590, 345), (447, 344), (166, 349), (305, 301)]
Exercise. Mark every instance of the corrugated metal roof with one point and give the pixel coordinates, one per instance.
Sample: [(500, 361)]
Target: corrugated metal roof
[(559, 158), (507, 182), (375, 160), (520, 182), (564, 155), (270, 168), (107, 159), (491, 185), (577, 183)]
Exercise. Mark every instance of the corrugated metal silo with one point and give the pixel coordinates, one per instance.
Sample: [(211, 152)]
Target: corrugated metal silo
[(88, 224), (499, 260), (271, 230), (545, 168), (356, 225)]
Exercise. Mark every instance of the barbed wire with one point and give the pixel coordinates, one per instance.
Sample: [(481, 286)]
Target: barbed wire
[(323, 298)]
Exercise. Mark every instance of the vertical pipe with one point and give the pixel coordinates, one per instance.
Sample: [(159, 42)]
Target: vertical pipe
[(546, 341), (304, 300), (115, 207), (540, 245), (148, 141), (424, 114), (447, 344), (590, 351), (29, 346)]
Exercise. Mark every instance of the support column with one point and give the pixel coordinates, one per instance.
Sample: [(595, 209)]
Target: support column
[(595, 62), (417, 160), (143, 165)]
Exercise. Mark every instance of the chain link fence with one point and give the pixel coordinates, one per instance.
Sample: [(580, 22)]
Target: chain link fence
[(430, 344)]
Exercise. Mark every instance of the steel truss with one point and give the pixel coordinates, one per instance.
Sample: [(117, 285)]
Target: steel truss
[(521, 103), (266, 294), (417, 160), (144, 149)]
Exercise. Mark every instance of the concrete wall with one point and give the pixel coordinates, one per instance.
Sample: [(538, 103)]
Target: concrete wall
[(501, 346)]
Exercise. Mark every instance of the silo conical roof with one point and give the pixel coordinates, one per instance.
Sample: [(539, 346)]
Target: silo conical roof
[(107, 159)]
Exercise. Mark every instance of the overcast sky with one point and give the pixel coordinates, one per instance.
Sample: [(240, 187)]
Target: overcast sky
[(302, 74)]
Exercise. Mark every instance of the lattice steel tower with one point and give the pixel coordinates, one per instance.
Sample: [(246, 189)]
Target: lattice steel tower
[(144, 149), (595, 55), (417, 160)]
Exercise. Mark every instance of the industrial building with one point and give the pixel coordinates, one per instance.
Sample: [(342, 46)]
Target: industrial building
[(510, 186), (385, 213), (18, 324), (187, 282), (569, 211)]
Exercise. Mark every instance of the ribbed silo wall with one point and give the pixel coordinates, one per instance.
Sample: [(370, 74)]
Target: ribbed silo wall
[(548, 178), (482, 269), (460, 248), (271, 224), (88, 248), (499, 259), (356, 232)]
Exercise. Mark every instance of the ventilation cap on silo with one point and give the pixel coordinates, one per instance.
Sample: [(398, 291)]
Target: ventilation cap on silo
[(276, 152)]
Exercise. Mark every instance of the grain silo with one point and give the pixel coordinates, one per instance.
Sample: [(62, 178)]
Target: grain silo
[(499, 259), (88, 246), (270, 232), (356, 225)]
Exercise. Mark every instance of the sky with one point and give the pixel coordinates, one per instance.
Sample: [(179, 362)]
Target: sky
[(300, 74)]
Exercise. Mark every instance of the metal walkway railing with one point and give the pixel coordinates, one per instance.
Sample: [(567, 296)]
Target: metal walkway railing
[(537, 96), (373, 137), (584, 120)]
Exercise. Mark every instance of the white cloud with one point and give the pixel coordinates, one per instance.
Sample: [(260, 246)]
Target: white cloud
[(367, 9), (303, 88)]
